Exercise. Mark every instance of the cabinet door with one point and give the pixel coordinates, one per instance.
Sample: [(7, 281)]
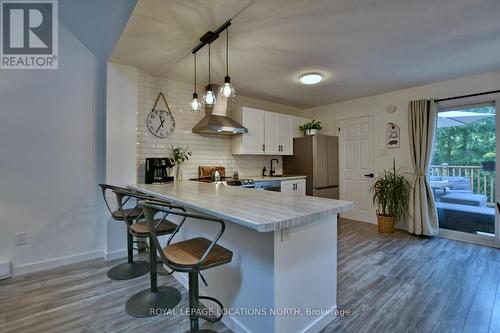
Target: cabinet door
[(271, 133), (285, 137), (253, 141), (294, 187)]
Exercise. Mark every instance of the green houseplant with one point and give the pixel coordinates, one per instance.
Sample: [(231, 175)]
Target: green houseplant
[(311, 128), (179, 155), (390, 193)]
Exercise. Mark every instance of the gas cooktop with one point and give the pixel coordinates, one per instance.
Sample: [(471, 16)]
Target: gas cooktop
[(228, 181)]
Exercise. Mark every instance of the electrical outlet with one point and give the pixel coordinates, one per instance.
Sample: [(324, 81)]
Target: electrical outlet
[(20, 238)]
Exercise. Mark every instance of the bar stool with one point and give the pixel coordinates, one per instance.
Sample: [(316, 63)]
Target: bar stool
[(144, 303), (190, 256), (130, 269)]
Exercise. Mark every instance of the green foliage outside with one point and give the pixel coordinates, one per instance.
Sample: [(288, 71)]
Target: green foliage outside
[(467, 144)]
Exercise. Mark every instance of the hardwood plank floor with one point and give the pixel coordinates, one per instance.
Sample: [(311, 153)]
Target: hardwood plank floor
[(389, 283), (404, 283)]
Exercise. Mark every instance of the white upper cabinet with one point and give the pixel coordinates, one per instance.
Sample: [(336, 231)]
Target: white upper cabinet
[(252, 142), (269, 133)]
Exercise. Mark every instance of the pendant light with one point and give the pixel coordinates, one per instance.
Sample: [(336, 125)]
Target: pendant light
[(195, 103), (209, 96), (227, 89)]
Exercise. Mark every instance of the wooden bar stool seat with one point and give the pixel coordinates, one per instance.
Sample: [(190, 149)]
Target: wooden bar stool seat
[(141, 228), (190, 256), (133, 213), (187, 254)]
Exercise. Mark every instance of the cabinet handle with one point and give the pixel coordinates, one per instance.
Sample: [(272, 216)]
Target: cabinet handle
[(263, 147), (294, 187)]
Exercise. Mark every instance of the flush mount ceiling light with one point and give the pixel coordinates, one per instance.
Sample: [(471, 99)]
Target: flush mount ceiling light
[(310, 78)]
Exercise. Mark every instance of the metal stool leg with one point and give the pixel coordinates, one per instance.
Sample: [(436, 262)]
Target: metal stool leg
[(194, 304), (130, 269), (147, 303)]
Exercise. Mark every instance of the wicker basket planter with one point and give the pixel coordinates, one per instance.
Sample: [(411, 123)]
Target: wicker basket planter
[(385, 223)]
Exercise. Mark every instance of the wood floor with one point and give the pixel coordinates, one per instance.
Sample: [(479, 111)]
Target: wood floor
[(397, 283)]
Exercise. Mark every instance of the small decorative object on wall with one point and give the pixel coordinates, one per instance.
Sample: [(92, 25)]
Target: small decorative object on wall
[(160, 123), (311, 128), (391, 109), (392, 135), (180, 155)]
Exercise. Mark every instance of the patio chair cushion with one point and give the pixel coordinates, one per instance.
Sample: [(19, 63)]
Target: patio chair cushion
[(454, 183), (468, 199)]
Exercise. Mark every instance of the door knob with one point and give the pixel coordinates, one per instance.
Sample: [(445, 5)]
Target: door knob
[(371, 175)]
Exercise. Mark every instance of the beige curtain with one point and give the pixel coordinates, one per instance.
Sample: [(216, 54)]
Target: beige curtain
[(422, 122)]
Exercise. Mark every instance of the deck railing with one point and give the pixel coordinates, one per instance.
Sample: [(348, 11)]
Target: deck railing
[(481, 181)]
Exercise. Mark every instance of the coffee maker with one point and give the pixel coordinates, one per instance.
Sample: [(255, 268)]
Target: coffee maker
[(158, 170)]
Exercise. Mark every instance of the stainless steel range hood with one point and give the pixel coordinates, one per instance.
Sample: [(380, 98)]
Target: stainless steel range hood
[(217, 122)]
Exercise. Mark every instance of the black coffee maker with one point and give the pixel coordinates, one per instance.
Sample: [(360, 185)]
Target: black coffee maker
[(158, 170)]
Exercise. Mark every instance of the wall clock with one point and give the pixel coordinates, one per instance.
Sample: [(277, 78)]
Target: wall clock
[(160, 123)]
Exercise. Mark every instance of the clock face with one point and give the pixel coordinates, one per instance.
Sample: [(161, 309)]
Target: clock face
[(160, 123)]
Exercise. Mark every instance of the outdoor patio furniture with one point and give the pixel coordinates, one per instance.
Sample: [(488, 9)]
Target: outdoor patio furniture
[(470, 219), (469, 199)]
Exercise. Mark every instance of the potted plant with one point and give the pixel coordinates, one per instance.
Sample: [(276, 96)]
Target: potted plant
[(311, 128), (390, 194), (488, 162), (179, 155)]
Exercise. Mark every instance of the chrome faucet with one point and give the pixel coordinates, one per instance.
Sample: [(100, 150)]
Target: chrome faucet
[(272, 171)]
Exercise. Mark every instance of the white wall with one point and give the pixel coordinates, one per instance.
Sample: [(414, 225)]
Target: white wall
[(377, 105), (207, 149), (52, 134), (120, 145), (48, 165)]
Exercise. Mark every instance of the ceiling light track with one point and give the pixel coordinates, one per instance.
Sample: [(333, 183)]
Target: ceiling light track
[(210, 36)]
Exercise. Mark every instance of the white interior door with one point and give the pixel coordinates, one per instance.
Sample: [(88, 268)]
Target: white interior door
[(357, 165)]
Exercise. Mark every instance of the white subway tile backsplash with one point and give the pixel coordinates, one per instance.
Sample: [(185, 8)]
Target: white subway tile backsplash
[(207, 150)]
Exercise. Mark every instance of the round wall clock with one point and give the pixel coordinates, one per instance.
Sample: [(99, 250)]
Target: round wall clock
[(160, 123)]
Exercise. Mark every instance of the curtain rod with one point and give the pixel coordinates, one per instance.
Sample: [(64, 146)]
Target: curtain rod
[(465, 96)]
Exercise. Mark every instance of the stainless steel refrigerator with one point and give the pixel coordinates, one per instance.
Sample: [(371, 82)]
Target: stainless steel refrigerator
[(316, 156)]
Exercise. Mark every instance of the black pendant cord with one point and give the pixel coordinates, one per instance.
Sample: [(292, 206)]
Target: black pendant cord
[(195, 73), (209, 80), (227, 52), (470, 95)]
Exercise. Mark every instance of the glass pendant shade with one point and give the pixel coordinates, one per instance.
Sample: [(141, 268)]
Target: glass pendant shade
[(227, 89), (195, 104), (209, 96)]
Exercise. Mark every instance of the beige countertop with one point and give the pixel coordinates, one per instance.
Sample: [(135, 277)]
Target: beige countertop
[(260, 210)]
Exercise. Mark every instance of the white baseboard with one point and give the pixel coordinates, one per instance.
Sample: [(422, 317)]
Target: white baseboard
[(232, 323), (52, 263), (115, 255), (5, 269)]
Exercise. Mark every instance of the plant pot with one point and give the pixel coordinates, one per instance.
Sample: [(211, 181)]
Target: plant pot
[(488, 165), (311, 131), (385, 223)]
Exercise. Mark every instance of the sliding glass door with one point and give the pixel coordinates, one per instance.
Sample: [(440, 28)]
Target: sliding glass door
[(463, 171)]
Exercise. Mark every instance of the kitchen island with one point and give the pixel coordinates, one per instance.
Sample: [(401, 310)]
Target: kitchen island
[(283, 275)]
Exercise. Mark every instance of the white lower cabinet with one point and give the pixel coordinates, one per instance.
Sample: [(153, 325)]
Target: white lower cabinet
[(294, 187)]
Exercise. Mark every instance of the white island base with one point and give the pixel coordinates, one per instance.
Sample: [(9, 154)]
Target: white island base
[(281, 281)]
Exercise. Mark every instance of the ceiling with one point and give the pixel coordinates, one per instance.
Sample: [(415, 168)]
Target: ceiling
[(363, 47)]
